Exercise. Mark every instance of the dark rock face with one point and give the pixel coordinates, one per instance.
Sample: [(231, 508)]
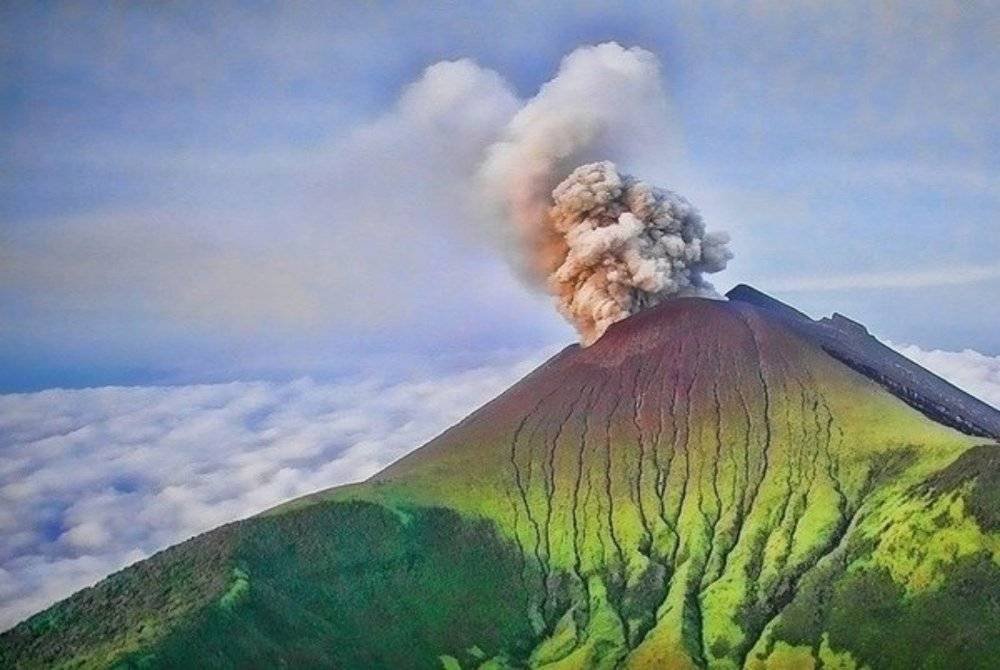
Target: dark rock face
[(851, 344)]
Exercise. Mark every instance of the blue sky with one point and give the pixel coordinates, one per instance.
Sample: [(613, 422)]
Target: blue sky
[(195, 192)]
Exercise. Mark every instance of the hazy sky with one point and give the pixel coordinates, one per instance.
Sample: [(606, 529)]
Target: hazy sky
[(195, 192)]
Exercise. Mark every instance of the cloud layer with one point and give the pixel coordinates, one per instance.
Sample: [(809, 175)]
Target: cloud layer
[(969, 370), (92, 480)]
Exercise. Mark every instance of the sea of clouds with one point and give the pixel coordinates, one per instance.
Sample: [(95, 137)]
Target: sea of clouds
[(92, 480), (969, 370)]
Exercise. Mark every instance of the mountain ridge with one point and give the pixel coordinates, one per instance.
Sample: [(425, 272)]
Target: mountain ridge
[(852, 344)]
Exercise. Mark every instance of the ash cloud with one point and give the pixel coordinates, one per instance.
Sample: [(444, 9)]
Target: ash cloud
[(626, 246), (602, 242), (458, 146)]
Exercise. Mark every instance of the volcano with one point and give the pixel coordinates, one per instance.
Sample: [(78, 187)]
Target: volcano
[(719, 484)]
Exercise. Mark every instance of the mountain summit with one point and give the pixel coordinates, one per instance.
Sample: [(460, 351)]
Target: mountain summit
[(710, 484)]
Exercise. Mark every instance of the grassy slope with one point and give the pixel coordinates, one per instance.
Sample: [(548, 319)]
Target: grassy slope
[(699, 487)]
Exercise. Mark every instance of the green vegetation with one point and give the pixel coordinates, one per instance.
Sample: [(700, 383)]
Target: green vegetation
[(127, 612), (316, 592), (732, 499)]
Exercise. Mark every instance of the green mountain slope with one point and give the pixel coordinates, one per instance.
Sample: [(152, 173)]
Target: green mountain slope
[(701, 487)]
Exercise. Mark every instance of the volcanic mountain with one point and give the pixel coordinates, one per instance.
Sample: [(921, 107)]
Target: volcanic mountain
[(717, 484)]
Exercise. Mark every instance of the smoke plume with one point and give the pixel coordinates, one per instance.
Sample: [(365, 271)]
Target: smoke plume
[(605, 244), (627, 246)]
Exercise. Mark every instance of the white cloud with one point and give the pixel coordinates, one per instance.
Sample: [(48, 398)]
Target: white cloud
[(92, 480), (953, 276), (969, 370)]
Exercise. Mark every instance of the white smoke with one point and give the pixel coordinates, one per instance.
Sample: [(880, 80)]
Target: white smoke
[(605, 244)]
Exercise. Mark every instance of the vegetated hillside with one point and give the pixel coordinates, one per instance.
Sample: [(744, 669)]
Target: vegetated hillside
[(701, 487)]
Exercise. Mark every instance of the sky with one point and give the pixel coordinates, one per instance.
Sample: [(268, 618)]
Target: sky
[(194, 193), (250, 226)]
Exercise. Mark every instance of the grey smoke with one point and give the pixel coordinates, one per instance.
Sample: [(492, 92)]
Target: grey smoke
[(628, 246), (605, 244)]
